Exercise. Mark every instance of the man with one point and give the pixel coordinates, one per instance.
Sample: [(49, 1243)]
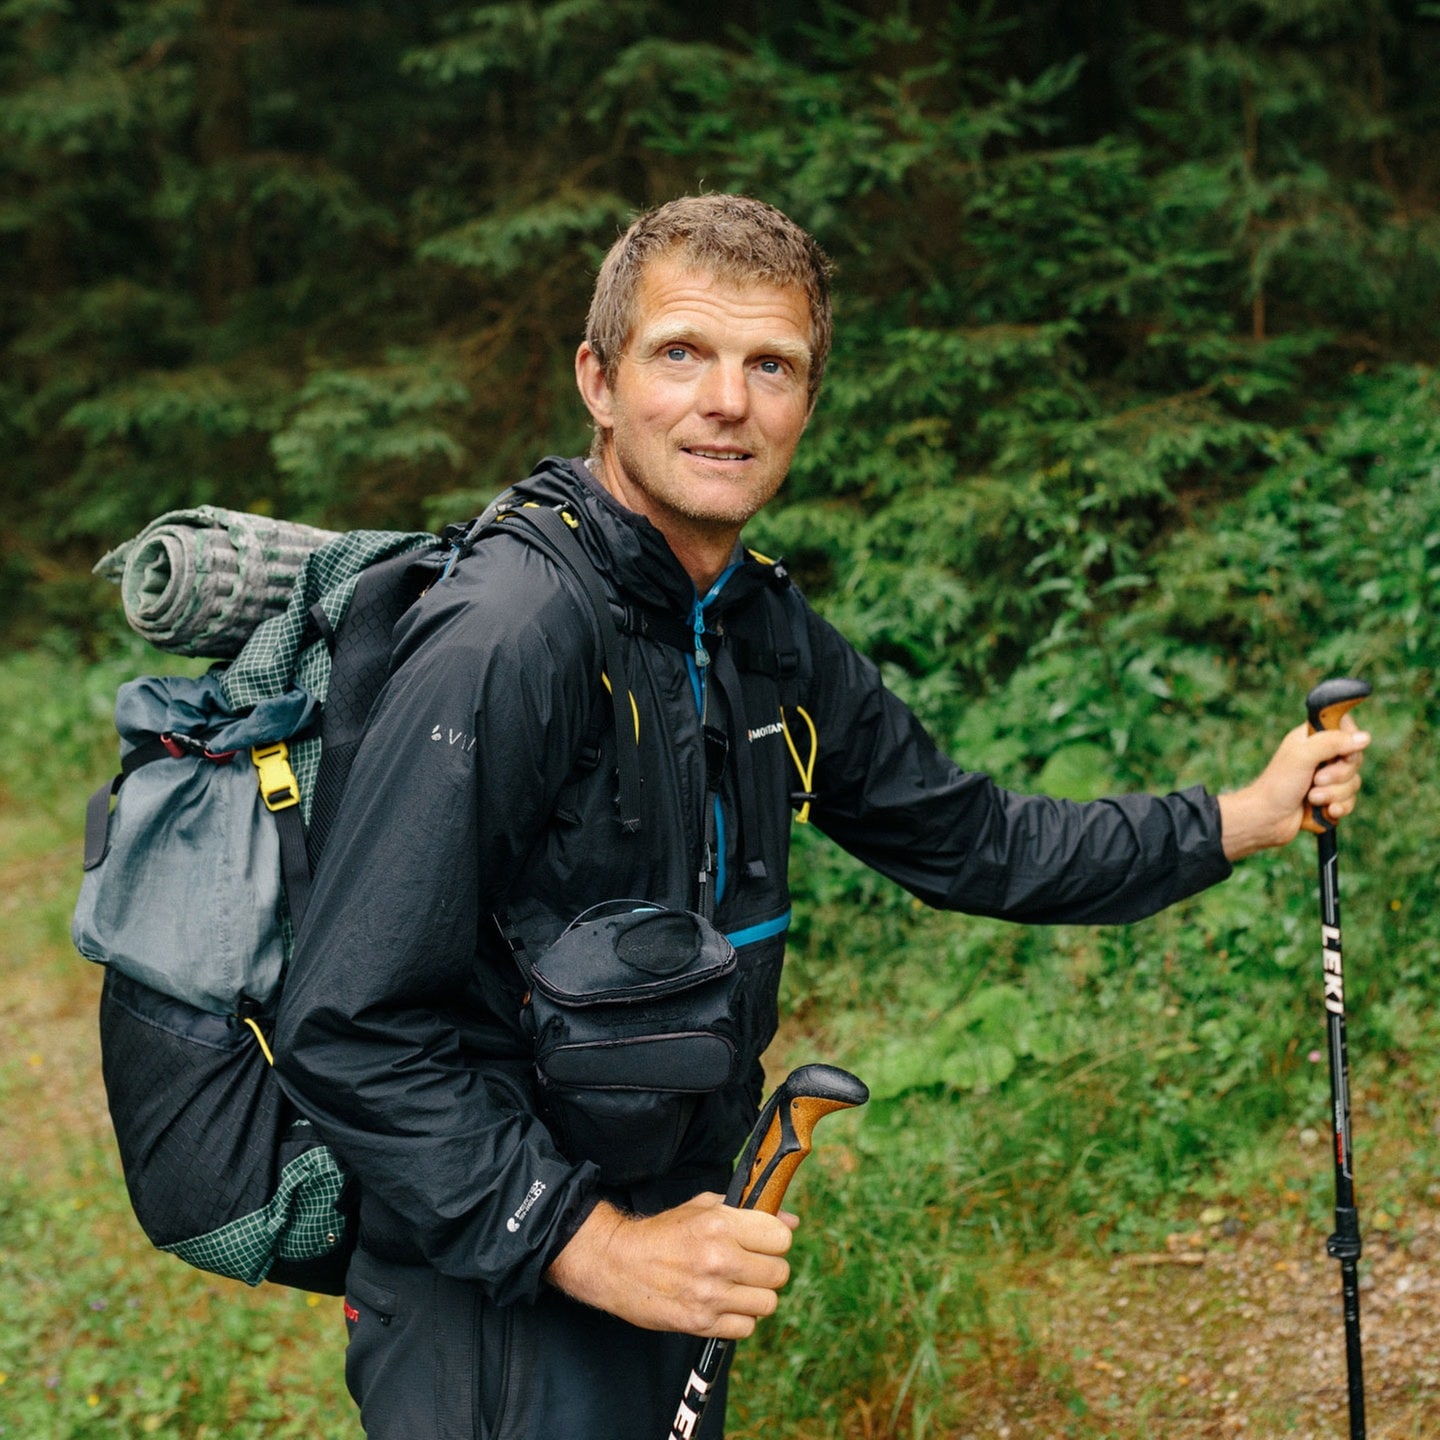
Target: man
[(502, 1287)]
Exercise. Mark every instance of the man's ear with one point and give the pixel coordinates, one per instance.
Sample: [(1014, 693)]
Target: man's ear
[(593, 387)]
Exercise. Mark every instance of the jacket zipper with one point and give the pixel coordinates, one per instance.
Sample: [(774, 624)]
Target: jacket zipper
[(710, 873)]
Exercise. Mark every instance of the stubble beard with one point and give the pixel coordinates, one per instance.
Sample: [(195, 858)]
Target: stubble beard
[(673, 496)]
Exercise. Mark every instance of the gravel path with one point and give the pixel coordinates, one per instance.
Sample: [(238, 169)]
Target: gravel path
[(1237, 1335)]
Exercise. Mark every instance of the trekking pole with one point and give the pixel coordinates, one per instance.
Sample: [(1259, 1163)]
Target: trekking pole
[(1326, 704), (778, 1143)]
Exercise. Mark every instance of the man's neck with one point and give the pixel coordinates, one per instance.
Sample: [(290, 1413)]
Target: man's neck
[(705, 561), (703, 548)]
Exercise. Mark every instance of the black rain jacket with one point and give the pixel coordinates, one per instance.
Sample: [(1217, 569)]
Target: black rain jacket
[(486, 784)]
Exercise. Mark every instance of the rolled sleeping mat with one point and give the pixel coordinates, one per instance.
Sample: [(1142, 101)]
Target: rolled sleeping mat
[(198, 582)]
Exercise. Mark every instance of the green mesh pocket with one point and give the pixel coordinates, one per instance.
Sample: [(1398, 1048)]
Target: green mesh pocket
[(301, 1222)]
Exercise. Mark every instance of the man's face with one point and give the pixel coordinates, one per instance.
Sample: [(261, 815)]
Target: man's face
[(709, 398)]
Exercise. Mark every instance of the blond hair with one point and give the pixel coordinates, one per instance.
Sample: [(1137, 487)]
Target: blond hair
[(732, 237)]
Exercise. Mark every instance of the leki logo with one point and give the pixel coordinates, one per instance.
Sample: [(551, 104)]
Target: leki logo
[(692, 1406), (1334, 970), (526, 1205)]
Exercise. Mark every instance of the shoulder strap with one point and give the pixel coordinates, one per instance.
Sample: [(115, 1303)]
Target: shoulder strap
[(360, 648), (550, 532)]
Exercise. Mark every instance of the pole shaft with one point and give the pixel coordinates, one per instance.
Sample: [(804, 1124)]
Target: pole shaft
[(1344, 1245), (779, 1141)]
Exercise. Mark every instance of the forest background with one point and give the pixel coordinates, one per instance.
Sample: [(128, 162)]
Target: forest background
[(1129, 437)]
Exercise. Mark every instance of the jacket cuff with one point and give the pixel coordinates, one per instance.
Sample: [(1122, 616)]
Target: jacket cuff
[(1203, 863), (568, 1226)]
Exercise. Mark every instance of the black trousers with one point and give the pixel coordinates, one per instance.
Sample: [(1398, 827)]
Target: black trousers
[(430, 1358)]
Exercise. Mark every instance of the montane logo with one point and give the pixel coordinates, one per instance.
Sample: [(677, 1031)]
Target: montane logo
[(526, 1205), (776, 729)]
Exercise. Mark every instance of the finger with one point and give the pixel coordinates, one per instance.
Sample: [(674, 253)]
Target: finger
[(1337, 776), (727, 1327), (756, 1302), (743, 1309), (1335, 805), (1340, 776), (1344, 792), (761, 1233), (1336, 757), (761, 1272), (714, 1309), (743, 1255), (1338, 772), (705, 1200), (1326, 746)]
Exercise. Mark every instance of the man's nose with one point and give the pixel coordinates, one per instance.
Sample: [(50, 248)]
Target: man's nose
[(724, 391)]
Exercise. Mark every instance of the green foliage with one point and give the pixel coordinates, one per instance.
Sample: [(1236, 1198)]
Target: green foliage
[(396, 416), (217, 219), (506, 244), (1186, 1033), (56, 737), (1129, 435), (975, 1045), (101, 1340)]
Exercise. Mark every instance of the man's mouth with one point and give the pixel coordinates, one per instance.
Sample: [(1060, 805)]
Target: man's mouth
[(704, 452)]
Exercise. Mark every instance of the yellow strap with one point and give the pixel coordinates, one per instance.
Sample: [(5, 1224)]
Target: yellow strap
[(806, 769), (264, 1048), (634, 708), (278, 786)]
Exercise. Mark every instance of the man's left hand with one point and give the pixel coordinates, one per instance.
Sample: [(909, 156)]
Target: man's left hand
[(1320, 770)]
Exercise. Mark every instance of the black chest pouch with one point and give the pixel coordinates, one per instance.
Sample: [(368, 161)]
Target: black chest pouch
[(633, 1014)]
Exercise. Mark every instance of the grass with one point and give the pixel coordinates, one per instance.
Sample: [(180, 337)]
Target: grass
[(103, 1335), (987, 1249)]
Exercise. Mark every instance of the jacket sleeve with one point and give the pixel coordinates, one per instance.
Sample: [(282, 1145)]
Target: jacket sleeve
[(958, 841), (421, 1091)]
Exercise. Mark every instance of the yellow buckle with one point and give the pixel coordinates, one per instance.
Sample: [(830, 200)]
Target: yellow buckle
[(279, 788)]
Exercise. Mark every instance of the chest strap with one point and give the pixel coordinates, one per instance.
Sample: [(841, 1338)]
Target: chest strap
[(750, 657)]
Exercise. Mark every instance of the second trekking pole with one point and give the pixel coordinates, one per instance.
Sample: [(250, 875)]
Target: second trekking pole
[(779, 1141), (1326, 704)]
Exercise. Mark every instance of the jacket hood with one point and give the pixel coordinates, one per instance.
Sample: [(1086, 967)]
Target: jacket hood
[(624, 545)]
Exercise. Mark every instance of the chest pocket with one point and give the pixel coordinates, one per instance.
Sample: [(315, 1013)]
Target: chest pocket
[(633, 1013)]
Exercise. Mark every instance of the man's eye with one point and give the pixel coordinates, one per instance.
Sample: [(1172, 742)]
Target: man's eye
[(676, 352), (772, 367)]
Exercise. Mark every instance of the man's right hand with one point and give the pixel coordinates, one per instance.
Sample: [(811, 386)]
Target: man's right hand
[(703, 1268)]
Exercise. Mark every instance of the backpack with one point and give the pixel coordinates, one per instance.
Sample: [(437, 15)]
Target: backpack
[(198, 857)]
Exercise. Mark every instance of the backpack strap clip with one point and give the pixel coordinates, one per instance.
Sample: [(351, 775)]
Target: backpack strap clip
[(280, 791), (178, 745), (278, 786)]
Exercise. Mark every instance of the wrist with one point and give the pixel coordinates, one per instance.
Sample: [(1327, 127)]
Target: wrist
[(578, 1267), (1248, 824)]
